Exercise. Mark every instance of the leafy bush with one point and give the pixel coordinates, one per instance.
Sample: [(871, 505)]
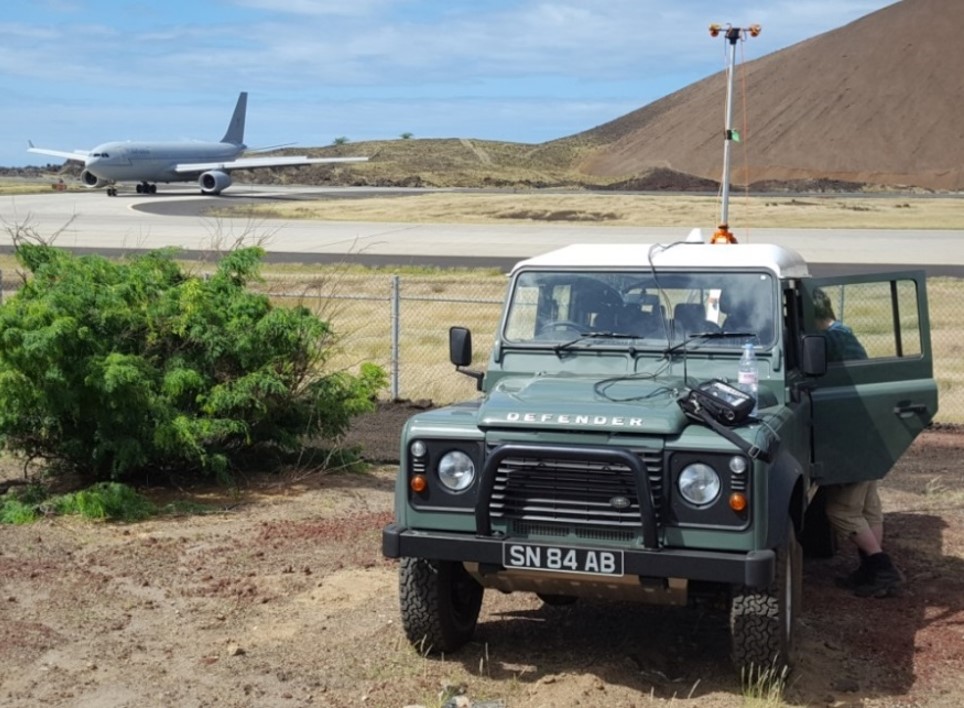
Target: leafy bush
[(106, 500), (113, 368), (15, 511)]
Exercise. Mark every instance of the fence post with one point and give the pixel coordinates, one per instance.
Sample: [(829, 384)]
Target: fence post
[(396, 327)]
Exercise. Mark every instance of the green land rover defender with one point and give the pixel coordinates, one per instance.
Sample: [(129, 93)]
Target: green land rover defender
[(613, 454)]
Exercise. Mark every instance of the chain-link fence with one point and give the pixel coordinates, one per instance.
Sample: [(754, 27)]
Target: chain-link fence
[(401, 323)]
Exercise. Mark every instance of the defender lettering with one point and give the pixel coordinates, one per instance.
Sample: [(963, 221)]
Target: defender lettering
[(616, 421)]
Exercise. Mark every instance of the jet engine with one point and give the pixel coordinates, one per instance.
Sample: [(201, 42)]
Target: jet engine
[(214, 181), (91, 180)]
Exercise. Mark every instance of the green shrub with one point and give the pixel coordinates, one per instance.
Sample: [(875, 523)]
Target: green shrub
[(15, 511), (115, 368), (106, 500)]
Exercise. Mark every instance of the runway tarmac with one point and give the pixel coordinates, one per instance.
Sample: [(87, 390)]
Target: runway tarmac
[(91, 221)]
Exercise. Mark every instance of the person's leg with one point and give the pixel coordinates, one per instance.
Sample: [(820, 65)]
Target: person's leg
[(884, 579), (845, 505)]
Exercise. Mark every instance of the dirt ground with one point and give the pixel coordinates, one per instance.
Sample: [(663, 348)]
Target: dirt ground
[(281, 597)]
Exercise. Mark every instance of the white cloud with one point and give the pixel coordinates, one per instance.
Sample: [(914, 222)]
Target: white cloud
[(516, 69)]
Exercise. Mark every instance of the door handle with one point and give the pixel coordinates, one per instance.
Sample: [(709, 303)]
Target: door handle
[(905, 409)]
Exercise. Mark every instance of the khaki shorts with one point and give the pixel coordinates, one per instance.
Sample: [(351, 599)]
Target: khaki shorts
[(853, 508)]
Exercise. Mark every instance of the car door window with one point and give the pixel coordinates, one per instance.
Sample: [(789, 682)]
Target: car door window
[(879, 390)]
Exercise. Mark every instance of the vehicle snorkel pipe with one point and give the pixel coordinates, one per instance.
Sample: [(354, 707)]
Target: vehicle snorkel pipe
[(732, 35)]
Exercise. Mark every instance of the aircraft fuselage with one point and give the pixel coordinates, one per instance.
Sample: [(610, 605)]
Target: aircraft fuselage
[(156, 162)]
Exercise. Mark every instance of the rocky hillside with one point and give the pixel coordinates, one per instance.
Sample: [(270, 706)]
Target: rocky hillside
[(877, 101)]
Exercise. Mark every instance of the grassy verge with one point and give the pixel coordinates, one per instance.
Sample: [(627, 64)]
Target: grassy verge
[(627, 210)]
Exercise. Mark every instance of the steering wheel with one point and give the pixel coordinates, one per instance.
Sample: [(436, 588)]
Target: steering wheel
[(561, 327)]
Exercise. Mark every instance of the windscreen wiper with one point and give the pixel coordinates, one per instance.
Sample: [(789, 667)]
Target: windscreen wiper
[(701, 337), (559, 348)]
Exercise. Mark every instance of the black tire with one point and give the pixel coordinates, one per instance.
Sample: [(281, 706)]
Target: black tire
[(440, 604), (763, 620)]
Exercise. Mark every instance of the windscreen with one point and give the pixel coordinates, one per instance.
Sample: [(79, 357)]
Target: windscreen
[(651, 310)]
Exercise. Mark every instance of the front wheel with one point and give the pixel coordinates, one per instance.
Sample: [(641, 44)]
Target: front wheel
[(440, 604), (763, 620)]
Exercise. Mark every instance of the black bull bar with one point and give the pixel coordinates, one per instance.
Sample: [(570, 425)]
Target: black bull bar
[(751, 568)]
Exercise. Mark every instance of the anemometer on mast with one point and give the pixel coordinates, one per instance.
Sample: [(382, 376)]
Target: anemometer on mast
[(732, 35)]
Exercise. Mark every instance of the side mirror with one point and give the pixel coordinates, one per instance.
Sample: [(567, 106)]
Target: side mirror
[(460, 346), (460, 353), (814, 355)]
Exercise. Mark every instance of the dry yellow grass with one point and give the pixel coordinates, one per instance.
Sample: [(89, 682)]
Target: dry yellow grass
[(898, 212), (13, 187), (358, 306)]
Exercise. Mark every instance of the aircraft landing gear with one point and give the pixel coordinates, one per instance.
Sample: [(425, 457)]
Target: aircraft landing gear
[(145, 188), (112, 191)]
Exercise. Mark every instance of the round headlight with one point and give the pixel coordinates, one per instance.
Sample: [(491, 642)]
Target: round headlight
[(699, 484), (456, 471), (737, 465), (417, 448)]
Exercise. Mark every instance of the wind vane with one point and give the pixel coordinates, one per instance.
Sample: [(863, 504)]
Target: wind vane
[(732, 35)]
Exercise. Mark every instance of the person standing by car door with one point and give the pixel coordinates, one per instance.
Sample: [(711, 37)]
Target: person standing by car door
[(854, 509)]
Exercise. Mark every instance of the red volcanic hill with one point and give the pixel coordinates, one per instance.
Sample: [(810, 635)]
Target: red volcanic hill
[(878, 101)]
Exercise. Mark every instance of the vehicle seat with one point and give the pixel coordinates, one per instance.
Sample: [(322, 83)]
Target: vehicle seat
[(689, 318), (742, 315), (633, 320)]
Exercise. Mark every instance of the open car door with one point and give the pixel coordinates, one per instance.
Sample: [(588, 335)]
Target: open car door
[(879, 391)]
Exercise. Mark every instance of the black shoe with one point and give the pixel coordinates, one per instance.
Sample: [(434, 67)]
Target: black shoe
[(861, 575), (884, 579)]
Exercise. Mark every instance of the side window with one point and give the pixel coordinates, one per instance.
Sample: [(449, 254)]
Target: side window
[(867, 320)]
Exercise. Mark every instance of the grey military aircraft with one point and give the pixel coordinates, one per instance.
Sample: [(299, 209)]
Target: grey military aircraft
[(147, 163)]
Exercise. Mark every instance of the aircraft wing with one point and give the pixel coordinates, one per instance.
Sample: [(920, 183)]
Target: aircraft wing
[(252, 163), (78, 155)]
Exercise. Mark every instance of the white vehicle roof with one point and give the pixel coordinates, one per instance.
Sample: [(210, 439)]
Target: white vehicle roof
[(689, 254)]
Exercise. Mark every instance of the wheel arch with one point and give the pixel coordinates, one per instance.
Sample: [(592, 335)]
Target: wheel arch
[(787, 499)]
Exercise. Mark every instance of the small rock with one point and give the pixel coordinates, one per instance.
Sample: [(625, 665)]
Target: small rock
[(235, 650), (458, 702)]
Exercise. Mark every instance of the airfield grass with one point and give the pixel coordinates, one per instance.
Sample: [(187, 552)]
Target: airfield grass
[(871, 212), (18, 186)]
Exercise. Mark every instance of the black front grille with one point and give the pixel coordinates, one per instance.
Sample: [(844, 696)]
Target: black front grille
[(573, 493)]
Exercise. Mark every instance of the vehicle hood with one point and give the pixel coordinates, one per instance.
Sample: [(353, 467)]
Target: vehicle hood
[(585, 404)]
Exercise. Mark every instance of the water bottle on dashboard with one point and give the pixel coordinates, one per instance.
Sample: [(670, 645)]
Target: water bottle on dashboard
[(748, 375)]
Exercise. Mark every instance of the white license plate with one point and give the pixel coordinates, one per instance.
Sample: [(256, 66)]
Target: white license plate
[(559, 559)]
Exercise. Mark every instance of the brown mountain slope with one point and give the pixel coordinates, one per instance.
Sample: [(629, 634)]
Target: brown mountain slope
[(880, 101)]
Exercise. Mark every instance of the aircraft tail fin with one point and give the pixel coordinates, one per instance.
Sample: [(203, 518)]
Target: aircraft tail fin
[(235, 131)]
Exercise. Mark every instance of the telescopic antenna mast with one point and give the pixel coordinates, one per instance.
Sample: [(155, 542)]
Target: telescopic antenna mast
[(732, 36)]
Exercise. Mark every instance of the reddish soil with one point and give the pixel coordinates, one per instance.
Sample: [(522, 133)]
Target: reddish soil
[(281, 596)]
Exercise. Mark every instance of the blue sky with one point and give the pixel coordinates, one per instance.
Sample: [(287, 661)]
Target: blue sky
[(76, 73)]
